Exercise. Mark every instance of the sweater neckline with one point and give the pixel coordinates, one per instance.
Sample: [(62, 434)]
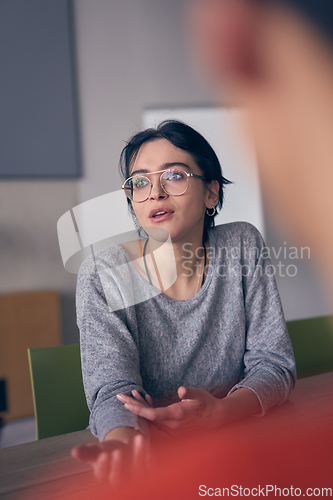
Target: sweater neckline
[(162, 296)]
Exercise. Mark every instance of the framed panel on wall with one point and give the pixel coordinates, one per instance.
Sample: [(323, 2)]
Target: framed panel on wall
[(222, 128), (38, 105)]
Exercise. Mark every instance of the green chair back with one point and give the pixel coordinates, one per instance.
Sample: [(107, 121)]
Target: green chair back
[(59, 399), (312, 340)]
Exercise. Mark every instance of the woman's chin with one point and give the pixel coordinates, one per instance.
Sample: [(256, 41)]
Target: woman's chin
[(157, 233)]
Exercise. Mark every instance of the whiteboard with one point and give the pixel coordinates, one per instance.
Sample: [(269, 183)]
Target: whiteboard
[(222, 128)]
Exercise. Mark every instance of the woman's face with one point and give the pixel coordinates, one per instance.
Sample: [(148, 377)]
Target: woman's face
[(183, 216)]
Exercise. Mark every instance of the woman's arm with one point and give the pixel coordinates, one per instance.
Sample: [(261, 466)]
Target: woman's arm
[(110, 363), (109, 353), (240, 404), (269, 363)]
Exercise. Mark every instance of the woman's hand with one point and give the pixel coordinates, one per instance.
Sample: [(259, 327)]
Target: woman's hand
[(137, 398), (116, 461), (195, 408)]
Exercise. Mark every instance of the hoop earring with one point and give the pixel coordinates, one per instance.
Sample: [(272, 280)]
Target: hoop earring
[(209, 213)]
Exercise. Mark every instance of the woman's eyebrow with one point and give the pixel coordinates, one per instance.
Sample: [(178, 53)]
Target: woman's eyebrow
[(162, 167)]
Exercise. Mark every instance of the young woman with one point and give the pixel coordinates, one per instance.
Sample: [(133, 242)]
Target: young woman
[(209, 348)]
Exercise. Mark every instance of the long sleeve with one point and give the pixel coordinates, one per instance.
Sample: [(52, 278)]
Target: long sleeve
[(109, 356), (269, 364)]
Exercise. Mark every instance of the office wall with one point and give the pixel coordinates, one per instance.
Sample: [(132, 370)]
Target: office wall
[(130, 54), (29, 250)]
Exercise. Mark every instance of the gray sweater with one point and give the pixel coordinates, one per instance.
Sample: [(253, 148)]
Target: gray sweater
[(231, 334)]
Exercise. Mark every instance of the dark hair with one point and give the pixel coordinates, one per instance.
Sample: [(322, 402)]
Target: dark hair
[(186, 138)]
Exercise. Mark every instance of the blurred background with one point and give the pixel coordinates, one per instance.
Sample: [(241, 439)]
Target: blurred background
[(78, 77)]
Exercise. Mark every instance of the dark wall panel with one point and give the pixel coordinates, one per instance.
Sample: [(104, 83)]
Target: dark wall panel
[(38, 112)]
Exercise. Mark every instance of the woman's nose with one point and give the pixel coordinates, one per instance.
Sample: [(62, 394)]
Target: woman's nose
[(157, 191)]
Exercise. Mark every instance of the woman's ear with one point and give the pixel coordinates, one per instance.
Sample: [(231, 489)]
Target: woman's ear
[(212, 194)]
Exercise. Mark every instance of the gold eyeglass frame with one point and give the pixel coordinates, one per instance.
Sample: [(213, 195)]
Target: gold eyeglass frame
[(162, 172)]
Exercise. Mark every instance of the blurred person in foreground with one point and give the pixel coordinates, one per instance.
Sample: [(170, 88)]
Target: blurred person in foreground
[(275, 59)]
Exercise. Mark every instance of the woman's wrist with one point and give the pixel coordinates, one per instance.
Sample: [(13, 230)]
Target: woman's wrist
[(240, 404), (122, 434)]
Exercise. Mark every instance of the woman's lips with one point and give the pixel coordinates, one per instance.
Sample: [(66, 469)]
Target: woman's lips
[(161, 217)]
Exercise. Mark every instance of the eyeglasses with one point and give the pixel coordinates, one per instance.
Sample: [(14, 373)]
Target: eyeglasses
[(174, 182)]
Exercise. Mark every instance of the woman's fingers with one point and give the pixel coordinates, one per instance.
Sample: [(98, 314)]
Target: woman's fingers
[(149, 400), (182, 390), (145, 411), (131, 463), (123, 398), (192, 393), (171, 412), (91, 451), (119, 468), (173, 418), (87, 452), (142, 411), (136, 399), (136, 395), (140, 456), (101, 466)]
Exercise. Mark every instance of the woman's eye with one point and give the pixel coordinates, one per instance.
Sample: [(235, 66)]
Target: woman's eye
[(139, 183), (173, 175)]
